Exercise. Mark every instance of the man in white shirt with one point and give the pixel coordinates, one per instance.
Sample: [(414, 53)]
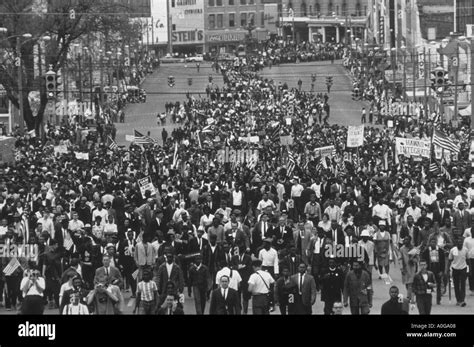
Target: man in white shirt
[(333, 211), (99, 211), (75, 224), (32, 287), (316, 187), (382, 211), (3, 228), (259, 285), (269, 257), (296, 191), (265, 203), (413, 211), (47, 223), (234, 276)]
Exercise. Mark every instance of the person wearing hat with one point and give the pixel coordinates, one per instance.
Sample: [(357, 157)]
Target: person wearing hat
[(332, 285), (157, 225), (369, 250), (382, 241), (144, 255), (168, 272)]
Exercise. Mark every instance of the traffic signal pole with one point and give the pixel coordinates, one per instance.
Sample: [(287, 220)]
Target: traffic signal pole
[(456, 78), (20, 86)]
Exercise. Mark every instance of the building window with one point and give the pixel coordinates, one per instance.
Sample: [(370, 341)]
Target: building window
[(211, 2), (251, 2), (317, 8), (330, 8), (218, 2), (243, 19), (172, 3), (251, 18), (173, 27), (243, 2), (344, 8), (365, 10), (358, 12), (212, 21), (303, 10), (231, 2), (220, 20), (311, 10), (290, 7), (337, 10), (231, 20), (262, 19)]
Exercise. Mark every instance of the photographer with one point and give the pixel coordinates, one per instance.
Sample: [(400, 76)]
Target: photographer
[(102, 298), (33, 286)]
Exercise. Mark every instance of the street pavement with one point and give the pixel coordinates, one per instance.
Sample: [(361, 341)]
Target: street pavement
[(344, 111)]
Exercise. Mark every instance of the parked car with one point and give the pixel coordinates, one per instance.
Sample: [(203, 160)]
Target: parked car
[(169, 59), (196, 59)]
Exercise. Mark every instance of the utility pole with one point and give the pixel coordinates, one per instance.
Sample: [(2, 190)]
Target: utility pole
[(80, 77), (20, 84), (170, 28), (456, 78), (415, 58), (472, 86), (424, 81)]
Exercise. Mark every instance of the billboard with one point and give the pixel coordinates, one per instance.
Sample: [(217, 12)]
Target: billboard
[(271, 18), (188, 21)]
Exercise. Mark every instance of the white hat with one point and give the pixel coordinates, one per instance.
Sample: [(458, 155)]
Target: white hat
[(365, 232), (382, 222)]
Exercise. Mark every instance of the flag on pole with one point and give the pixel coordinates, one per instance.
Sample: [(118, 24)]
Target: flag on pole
[(275, 132), (444, 141), (290, 167), (199, 138), (135, 274), (175, 155), (111, 144), (11, 267), (68, 243), (142, 139)]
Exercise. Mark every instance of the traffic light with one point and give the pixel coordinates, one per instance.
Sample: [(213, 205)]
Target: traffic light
[(355, 94), (382, 30), (50, 84), (190, 81), (59, 86), (171, 81), (210, 79), (439, 79), (313, 77)]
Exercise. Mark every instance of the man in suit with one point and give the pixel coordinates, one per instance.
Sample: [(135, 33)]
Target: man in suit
[(111, 273), (157, 225), (197, 244), (224, 300), (243, 263), (423, 285), (332, 283), (302, 239), (358, 288), (200, 280), (126, 252), (171, 308), (440, 212), (462, 219), (168, 272), (282, 235), (259, 233), (396, 305), (306, 294), (410, 229), (291, 261), (212, 255), (336, 234), (237, 237)]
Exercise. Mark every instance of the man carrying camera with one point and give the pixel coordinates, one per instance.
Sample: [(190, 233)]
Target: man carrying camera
[(32, 286), (102, 298)]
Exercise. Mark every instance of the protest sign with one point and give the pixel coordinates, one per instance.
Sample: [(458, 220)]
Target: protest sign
[(412, 147), (355, 136), (146, 184)]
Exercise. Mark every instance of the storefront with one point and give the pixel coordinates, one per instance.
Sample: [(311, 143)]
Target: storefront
[(224, 41)]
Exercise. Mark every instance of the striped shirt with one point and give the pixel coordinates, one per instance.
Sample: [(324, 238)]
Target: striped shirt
[(146, 290)]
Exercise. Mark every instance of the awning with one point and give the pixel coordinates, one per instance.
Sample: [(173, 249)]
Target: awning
[(466, 112)]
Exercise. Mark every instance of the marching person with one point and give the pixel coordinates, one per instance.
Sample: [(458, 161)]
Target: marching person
[(260, 286), (424, 283), (32, 287), (306, 294), (358, 289), (224, 300)]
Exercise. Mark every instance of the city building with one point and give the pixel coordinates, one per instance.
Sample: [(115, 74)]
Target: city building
[(324, 20), (187, 26), (229, 22)]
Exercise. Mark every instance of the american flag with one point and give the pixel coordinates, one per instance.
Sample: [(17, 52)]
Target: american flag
[(111, 144), (175, 155), (11, 267), (275, 132), (68, 243), (290, 167), (435, 167), (444, 141), (142, 139)]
